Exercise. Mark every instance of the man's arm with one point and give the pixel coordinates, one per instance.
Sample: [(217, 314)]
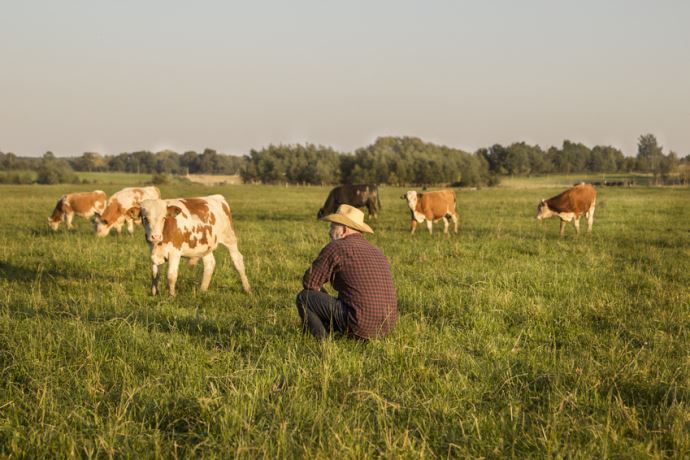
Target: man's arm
[(321, 270)]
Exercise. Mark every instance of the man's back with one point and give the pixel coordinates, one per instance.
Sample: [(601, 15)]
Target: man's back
[(362, 276)]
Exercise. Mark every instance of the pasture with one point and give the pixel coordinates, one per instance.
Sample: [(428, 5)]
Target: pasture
[(511, 341)]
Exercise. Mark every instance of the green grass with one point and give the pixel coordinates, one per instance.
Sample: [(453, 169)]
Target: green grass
[(511, 341), (115, 178)]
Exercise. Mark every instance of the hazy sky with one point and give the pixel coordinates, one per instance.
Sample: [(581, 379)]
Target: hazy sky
[(116, 76)]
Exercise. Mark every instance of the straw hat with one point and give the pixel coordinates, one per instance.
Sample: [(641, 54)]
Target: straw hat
[(350, 217)]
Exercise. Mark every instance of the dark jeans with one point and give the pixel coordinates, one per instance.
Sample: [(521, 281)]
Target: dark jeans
[(321, 314)]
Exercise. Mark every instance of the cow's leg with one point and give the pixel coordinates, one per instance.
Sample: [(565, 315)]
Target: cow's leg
[(130, 226), (562, 227), (413, 226), (371, 207), (230, 242), (118, 228), (445, 225), (173, 265), (68, 220), (429, 225), (455, 221), (155, 276), (209, 266), (590, 218), (576, 222)]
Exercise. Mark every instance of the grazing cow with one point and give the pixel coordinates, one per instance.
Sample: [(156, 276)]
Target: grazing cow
[(84, 204), (357, 195), (571, 204), (115, 213), (188, 227), (432, 207)]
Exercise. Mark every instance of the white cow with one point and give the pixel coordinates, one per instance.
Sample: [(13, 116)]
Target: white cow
[(188, 227), (115, 213)]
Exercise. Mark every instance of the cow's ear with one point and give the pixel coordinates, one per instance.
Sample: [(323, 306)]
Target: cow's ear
[(134, 212), (173, 211)]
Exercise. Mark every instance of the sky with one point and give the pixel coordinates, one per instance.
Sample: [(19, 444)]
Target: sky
[(120, 76)]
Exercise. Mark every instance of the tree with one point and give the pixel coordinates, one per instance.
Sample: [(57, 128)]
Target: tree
[(668, 164), (188, 162), (517, 160), (496, 156), (649, 155), (167, 162), (55, 171), (90, 161), (604, 159), (574, 157), (8, 161)]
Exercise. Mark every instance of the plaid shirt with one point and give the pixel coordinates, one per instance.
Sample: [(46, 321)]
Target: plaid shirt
[(362, 276)]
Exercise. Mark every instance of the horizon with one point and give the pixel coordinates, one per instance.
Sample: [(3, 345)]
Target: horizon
[(113, 78)]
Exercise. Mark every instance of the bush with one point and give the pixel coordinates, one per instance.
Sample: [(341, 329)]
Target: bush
[(161, 179), (17, 177), (56, 175)]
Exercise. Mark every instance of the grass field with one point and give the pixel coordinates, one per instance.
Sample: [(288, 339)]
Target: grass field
[(114, 178), (511, 341)]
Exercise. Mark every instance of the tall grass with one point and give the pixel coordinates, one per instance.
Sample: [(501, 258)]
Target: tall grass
[(511, 341)]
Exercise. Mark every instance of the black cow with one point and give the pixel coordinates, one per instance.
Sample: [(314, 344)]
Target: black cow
[(357, 195)]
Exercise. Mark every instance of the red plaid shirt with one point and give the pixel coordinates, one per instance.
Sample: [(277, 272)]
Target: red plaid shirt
[(360, 273)]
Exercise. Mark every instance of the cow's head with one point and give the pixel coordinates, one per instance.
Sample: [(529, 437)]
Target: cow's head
[(411, 198), (153, 215), (100, 225), (543, 210), (53, 224), (111, 216)]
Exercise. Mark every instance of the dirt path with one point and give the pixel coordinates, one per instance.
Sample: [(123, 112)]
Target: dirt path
[(210, 179)]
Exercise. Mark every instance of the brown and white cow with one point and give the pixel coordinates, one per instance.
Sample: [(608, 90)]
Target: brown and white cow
[(188, 227), (84, 204), (570, 205), (432, 207), (115, 213)]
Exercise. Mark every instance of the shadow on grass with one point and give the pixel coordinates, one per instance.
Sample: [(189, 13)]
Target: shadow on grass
[(19, 273), (645, 394), (213, 332), (80, 228), (218, 333)]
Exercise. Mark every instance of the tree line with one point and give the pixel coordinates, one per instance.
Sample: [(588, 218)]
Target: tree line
[(389, 160), (521, 159)]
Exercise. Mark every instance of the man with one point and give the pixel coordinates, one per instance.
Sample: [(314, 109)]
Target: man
[(366, 306)]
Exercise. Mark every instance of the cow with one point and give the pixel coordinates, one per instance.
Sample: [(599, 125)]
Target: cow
[(571, 204), (432, 207), (115, 213), (188, 227), (357, 195), (85, 204)]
